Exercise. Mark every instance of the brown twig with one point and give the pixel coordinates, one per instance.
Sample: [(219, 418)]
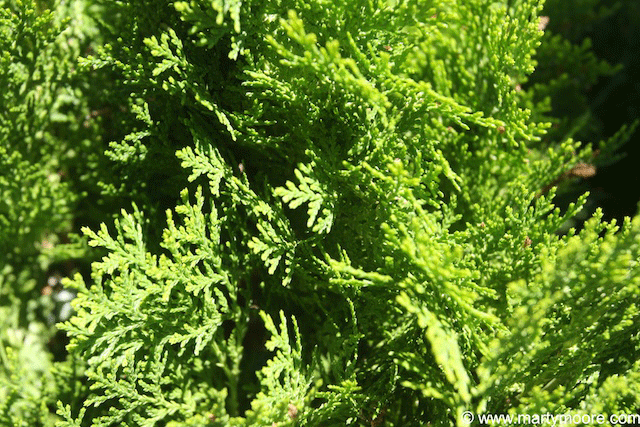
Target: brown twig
[(581, 170)]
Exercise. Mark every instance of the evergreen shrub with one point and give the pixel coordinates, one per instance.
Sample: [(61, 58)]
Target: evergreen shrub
[(306, 213)]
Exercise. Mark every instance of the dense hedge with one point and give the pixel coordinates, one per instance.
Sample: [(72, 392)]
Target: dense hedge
[(308, 213)]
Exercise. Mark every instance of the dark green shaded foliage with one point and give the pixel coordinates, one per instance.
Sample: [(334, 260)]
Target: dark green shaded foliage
[(41, 139)]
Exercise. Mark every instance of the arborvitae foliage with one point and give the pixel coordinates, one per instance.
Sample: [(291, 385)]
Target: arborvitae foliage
[(41, 139), (360, 225)]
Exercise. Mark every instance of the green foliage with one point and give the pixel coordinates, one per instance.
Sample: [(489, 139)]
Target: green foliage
[(41, 138), (29, 159), (329, 214)]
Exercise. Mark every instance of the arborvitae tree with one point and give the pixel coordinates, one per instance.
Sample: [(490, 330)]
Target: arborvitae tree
[(335, 213)]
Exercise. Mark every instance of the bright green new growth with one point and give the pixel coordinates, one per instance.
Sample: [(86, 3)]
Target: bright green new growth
[(364, 234)]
